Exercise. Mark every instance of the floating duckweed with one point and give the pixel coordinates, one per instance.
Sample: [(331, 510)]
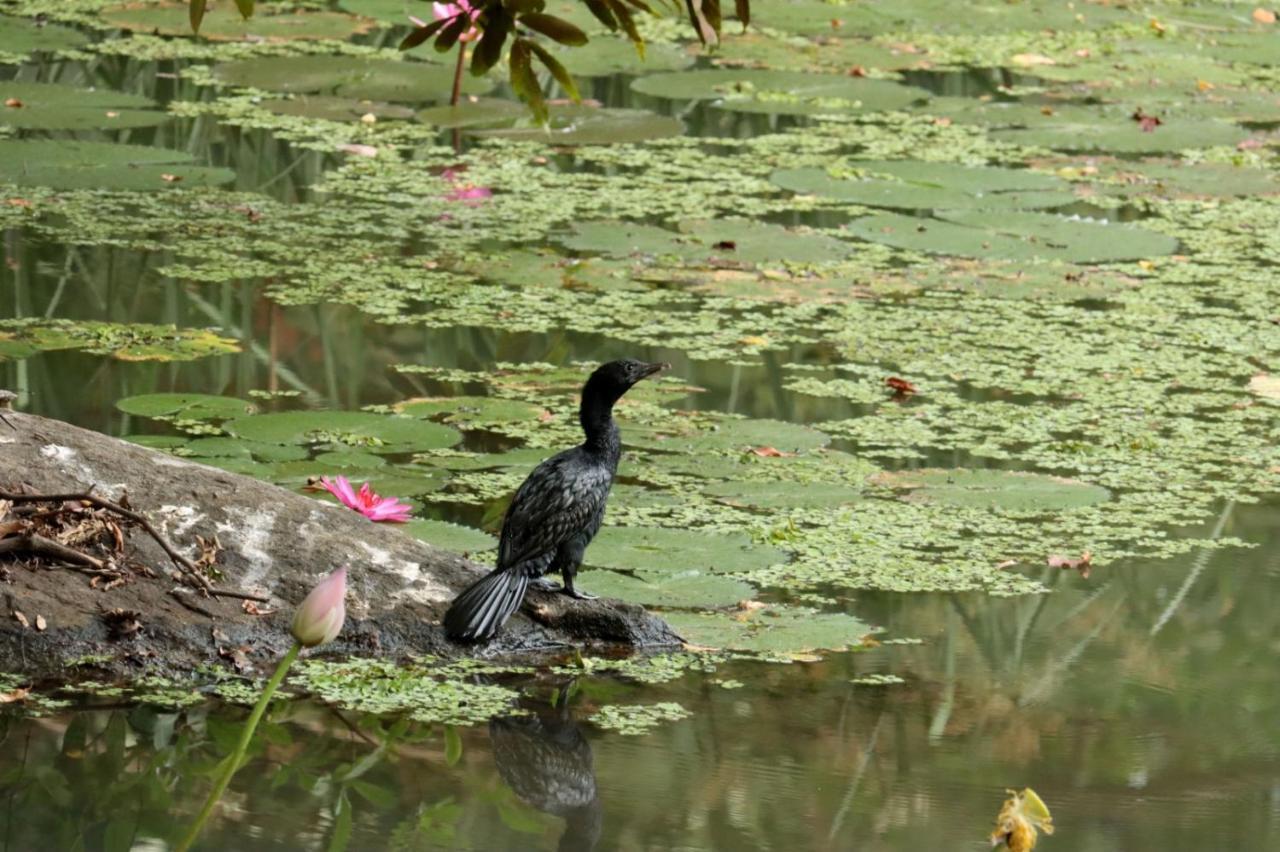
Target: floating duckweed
[(636, 719), (381, 686)]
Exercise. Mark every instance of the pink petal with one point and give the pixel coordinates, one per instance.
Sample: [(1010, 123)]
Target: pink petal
[(341, 488), (319, 617)]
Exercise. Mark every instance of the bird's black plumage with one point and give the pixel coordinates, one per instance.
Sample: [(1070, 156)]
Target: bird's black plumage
[(555, 513), (545, 759)]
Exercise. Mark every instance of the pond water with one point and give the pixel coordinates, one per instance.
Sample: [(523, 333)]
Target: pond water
[(1053, 224)]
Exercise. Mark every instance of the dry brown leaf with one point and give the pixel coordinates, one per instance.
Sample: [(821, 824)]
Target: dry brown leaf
[(41, 624), (13, 103), (1264, 16), (1265, 385), (20, 618), (900, 387), (1019, 818), (770, 453), (1030, 60), (1082, 564), (15, 695), (168, 178)]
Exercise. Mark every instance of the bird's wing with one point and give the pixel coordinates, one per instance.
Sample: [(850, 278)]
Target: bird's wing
[(555, 503)]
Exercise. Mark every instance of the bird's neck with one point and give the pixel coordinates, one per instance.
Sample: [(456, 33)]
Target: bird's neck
[(596, 417)]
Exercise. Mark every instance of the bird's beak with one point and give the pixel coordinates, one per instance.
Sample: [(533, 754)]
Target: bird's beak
[(650, 369)]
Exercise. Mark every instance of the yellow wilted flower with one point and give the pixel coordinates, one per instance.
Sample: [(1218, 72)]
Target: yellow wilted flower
[(1019, 817)]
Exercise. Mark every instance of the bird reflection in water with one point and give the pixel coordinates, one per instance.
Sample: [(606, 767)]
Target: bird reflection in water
[(544, 758)]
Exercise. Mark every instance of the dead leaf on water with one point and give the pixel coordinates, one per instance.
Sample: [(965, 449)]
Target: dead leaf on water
[(1021, 815), (1265, 385)]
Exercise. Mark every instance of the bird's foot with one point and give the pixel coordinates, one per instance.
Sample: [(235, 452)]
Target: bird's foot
[(542, 584), (577, 595)]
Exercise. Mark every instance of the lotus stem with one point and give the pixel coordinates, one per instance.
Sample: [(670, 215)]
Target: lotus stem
[(237, 756)]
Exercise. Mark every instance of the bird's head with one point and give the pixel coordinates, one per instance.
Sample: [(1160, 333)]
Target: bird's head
[(610, 381)]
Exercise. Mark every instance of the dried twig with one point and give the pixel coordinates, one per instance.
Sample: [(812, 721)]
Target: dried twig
[(41, 546), (226, 593), (180, 594), (181, 561)]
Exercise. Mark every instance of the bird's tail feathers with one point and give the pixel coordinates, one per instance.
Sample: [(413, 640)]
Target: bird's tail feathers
[(477, 613)]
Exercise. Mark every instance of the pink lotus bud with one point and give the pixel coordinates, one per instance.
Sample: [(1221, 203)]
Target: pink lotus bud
[(320, 615)]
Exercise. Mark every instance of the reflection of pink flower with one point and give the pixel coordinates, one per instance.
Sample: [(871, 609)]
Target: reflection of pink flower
[(467, 193), (449, 10), (319, 617), (365, 502)]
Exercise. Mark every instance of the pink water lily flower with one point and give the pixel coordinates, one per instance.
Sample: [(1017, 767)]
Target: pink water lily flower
[(449, 10), (320, 616), (365, 502), (467, 193)]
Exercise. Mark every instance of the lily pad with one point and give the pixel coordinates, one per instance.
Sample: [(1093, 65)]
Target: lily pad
[(914, 185), (742, 240), (783, 495), (686, 589), (738, 435), (353, 460), (451, 536), (527, 457), (1015, 236), (579, 124), (122, 341), (187, 406), (659, 549), (1126, 135), (221, 447), (771, 630), (378, 433), (358, 77), (52, 106), (474, 112), (605, 56), (781, 92), (472, 411), (20, 36), (69, 164), (1005, 490), (335, 109), (226, 24), (526, 269)]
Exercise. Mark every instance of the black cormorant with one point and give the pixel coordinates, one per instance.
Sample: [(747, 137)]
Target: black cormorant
[(555, 513), (546, 760)]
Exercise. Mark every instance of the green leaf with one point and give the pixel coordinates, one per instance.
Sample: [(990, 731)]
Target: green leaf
[(357, 77), (246, 8), (378, 432), (773, 630), (524, 82), (187, 406), (1015, 235), (195, 13), (452, 746), (119, 835), (668, 551), (53, 106), (450, 536), (688, 589), (497, 26), (557, 71), (22, 36), (456, 26), (600, 8), (380, 797), (914, 185), (341, 836), (421, 34), (627, 22), (1003, 490), (554, 28)]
